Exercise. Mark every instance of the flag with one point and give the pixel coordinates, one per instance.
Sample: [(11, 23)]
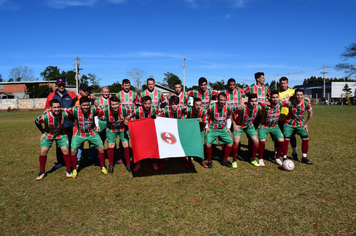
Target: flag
[(164, 138)]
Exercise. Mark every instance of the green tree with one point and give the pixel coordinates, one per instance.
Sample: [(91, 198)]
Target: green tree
[(347, 89), (1, 78), (51, 73), (170, 79), (42, 91), (348, 68), (218, 85), (115, 87)]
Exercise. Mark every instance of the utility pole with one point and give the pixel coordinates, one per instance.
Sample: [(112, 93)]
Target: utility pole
[(77, 73), (324, 72), (275, 82), (184, 75)]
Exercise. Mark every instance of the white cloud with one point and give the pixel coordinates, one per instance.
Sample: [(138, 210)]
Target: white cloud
[(238, 3), (7, 5), (228, 16), (59, 4), (192, 3)]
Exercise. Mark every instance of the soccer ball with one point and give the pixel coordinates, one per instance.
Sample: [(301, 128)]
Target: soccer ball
[(288, 165)]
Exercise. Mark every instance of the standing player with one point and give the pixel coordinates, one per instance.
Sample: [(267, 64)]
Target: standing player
[(234, 95), (115, 115), (243, 122), (295, 123), (156, 96), (269, 121), (259, 88), (203, 92), (83, 131), (218, 117), (143, 112), (102, 102), (183, 98), (198, 112), (54, 121), (127, 96), (67, 99)]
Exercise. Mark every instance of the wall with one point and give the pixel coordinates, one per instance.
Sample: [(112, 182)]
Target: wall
[(25, 104)]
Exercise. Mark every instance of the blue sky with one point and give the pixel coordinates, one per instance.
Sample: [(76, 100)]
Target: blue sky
[(219, 38)]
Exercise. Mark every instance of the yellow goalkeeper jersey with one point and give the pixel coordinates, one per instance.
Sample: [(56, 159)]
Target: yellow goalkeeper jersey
[(285, 110)]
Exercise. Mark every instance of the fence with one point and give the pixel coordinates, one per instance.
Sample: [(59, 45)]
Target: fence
[(23, 104)]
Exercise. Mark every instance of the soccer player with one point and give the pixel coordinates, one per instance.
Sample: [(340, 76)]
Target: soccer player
[(102, 102), (218, 117), (295, 123), (142, 112), (84, 131), (115, 115), (127, 96), (285, 91), (203, 92), (234, 95), (244, 116), (156, 96), (67, 99), (259, 88), (268, 125), (54, 121), (198, 112), (183, 98)]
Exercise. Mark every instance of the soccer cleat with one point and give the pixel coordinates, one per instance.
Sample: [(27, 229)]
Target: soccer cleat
[(111, 169), (254, 162), (234, 164), (306, 161), (295, 156), (69, 173), (78, 164), (128, 168), (203, 163), (226, 163), (278, 161), (74, 174), (104, 170), (261, 162), (40, 176), (210, 164)]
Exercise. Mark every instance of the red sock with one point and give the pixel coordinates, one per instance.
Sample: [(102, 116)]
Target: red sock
[(285, 150), (110, 153), (254, 151), (43, 160), (261, 149), (305, 146), (209, 152), (67, 161), (280, 149), (223, 147), (235, 151), (73, 160), (102, 159), (127, 155), (227, 151)]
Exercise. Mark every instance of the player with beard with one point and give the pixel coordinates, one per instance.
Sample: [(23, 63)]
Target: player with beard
[(127, 96), (156, 96), (203, 92)]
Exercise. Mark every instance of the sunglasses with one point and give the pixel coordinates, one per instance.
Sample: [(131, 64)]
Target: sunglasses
[(60, 85)]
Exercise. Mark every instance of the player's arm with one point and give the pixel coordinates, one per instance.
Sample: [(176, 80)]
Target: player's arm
[(38, 123), (310, 115)]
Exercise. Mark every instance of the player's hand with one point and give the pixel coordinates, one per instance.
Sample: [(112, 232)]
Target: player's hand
[(126, 122), (97, 128), (306, 127), (207, 130), (42, 136), (228, 130)]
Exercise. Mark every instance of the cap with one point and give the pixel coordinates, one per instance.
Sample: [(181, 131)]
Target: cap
[(83, 87), (60, 81)]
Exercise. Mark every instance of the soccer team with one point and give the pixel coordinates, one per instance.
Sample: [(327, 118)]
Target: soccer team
[(278, 113)]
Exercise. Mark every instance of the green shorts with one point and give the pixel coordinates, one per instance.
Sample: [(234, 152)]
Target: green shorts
[(94, 141), (223, 136), (111, 136), (250, 131), (61, 142), (289, 130), (275, 132)]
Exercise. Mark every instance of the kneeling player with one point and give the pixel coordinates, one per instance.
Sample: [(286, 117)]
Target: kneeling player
[(53, 131)]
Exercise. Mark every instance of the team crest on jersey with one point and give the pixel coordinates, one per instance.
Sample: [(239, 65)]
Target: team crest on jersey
[(168, 138)]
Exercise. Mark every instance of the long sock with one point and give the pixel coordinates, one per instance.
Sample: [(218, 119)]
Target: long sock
[(293, 143), (43, 160), (127, 155), (110, 153), (280, 148), (305, 146), (235, 151), (209, 152), (254, 151), (102, 159), (285, 150), (227, 151), (261, 149), (67, 161), (73, 160), (223, 147)]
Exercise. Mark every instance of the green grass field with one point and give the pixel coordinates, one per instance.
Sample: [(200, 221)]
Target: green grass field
[(311, 200)]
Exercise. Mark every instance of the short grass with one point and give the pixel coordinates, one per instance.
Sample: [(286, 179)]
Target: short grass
[(311, 200)]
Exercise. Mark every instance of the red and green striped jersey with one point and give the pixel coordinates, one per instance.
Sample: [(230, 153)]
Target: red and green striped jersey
[(115, 120), (129, 99), (216, 116), (84, 122), (191, 113), (156, 96), (54, 125), (169, 113), (296, 112), (245, 117), (270, 114), (183, 99), (204, 96), (262, 92), (101, 102), (234, 98), (139, 113)]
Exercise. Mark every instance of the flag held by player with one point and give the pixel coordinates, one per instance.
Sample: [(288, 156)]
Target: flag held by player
[(162, 138)]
